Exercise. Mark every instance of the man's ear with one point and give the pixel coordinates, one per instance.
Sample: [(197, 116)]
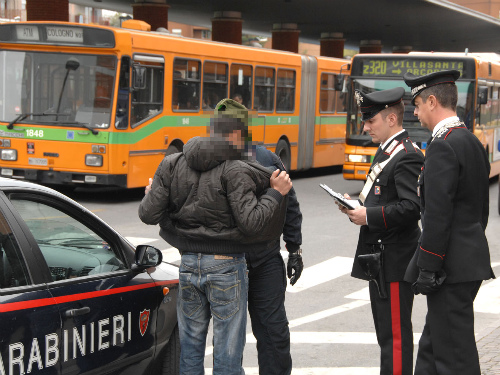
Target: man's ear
[(393, 119), (432, 100)]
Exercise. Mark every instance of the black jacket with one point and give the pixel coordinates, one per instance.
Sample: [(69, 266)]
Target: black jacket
[(205, 201), (292, 230), (454, 196), (393, 211)]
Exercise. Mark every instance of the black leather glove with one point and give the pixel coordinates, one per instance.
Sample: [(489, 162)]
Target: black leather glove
[(295, 266), (428, 282)]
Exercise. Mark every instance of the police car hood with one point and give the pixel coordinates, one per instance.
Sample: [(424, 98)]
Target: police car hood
[(205, 153)]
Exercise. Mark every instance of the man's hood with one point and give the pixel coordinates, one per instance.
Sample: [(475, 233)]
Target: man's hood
[(205, 153)]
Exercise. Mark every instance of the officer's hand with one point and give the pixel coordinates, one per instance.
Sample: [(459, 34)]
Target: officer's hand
[(294, 267), (148, 188), (281, 181), (428, 282), (342, 208)]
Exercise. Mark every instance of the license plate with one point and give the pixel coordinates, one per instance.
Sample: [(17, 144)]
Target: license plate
[(37, 161)]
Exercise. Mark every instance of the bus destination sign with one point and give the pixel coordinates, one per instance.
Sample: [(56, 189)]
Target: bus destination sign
[(373, 67), (54, 34)]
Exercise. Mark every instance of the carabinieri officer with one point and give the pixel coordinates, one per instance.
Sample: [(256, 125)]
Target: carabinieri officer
[(453, 257), (389, 226)]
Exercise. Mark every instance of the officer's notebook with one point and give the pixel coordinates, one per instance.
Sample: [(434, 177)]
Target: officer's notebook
[(350, 204)]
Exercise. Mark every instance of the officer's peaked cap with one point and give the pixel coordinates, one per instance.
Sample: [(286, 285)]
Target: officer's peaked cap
[(420, 83), (373, 103)]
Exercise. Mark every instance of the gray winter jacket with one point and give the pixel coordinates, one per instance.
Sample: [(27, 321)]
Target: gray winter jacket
[(207, 201)]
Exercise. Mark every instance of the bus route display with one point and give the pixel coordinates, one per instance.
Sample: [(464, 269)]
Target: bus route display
[(376, 67)]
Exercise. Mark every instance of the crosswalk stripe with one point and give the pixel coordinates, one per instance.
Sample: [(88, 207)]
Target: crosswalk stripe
[(326, 313), (321, 273), (140, 240), (318, 371), (488, 298), (171, 255)]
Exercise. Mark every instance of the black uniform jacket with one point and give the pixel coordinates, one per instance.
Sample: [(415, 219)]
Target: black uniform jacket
[(292, 230), (454, 200), (393, 211)]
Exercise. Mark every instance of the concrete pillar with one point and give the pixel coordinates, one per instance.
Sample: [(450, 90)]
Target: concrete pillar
[(332, 45), (227, 27), (370, 46), (153, 12), (402, 49), (286, 37), (47, 10)]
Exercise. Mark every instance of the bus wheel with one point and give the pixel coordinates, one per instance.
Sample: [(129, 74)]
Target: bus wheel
[(283, 151)]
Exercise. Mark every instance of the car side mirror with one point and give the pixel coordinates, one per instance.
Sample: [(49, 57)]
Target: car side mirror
[(147, 256)]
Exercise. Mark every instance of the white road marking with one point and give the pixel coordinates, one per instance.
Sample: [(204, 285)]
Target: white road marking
[(318, 371), (171, 255), (140, 240), (363, 294), (321, 273), (326, 313), (488, 298)]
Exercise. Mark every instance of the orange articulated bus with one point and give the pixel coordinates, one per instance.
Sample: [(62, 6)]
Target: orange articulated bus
[(96, 105), (478, 101)]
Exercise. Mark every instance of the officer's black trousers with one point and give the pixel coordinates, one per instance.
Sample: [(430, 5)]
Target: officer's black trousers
[(266, 304), (392, 319), (448, 345)]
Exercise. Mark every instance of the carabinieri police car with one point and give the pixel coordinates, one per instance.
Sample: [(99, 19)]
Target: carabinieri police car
[(75, 296)]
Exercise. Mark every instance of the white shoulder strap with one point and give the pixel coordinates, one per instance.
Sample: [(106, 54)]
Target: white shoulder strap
[(376, 169)]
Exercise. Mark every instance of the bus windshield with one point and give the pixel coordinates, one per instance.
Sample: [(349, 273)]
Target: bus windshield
[(355, 133), (56, 88)]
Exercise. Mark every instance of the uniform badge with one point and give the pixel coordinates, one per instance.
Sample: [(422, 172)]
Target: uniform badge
[(377, 190), (143, 321)]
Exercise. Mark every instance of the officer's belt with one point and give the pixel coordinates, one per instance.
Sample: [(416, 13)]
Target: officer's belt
[(376, 170)]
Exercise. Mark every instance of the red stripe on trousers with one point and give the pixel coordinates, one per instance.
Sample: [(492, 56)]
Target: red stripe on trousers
[(397, 351)]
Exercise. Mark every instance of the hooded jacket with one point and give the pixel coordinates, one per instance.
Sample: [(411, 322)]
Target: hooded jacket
[(207, 200)]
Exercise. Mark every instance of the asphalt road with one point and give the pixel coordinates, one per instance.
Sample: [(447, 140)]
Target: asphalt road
[(331, 326)]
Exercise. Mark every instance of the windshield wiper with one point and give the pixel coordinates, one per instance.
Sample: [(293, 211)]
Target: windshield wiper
[(85, 125), (22, 116)]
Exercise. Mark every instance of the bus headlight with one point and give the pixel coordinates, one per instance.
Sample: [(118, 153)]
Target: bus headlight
[(351, 158), (93, 160), (9, 154)]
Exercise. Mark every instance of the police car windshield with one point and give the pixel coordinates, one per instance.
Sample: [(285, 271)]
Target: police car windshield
[(410, 122)]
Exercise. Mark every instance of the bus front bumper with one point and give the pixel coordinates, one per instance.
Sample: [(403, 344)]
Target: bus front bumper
[(355, 171), (65, 178)]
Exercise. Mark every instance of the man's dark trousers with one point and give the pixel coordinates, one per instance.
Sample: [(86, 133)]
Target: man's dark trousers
[(450, 319), (266, 305)]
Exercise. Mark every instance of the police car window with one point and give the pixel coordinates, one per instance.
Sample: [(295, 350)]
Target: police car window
[(70, 248), (13, 270)]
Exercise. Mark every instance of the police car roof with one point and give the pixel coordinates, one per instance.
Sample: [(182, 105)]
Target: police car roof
[(9, 183)]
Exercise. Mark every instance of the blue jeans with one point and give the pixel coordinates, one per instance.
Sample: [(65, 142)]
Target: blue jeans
[(212, 287)]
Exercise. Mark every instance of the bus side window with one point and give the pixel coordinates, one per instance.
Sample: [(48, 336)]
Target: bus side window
[(241, 84), (285, 92), (147, 98), (327, 93), (122, 104), (214, 84), (186, 85), (264, 89)]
